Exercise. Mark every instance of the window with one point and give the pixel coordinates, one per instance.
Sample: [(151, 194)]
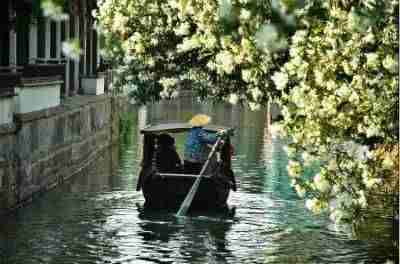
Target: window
[(53, 39), (22, 39), (41, 37), (4, 36)]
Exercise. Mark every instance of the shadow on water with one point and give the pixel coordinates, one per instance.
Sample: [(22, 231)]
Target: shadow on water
[(190, 236)]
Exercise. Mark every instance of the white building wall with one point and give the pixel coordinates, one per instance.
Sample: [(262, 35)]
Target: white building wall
[(93, 86), (37, 97), (6, 110), (47, 45), (33, 41), (13, 48)]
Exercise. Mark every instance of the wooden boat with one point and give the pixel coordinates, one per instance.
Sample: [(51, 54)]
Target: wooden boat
[(168, 190)]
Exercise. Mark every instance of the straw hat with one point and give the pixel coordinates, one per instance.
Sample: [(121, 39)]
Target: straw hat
[(200, 120)]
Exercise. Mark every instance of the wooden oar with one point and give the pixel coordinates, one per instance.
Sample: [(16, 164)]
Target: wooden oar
[(189, 197)]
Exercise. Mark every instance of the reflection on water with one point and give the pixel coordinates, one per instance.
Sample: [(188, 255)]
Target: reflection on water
[(99, 217)]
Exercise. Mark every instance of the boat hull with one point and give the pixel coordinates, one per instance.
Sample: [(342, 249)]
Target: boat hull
[(169, 192)]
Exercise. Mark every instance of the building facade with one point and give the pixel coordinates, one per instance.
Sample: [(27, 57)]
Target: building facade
[(31, 45), (47, 133)]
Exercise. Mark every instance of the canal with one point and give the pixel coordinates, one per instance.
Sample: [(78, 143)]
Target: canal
[(98, 217)]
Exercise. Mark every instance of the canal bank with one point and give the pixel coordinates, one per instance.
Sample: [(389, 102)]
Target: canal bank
[(43, 149), (56, 112), (98, 217)]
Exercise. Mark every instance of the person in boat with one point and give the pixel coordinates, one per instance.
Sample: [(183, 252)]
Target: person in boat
[(196, 146), (167, 159)]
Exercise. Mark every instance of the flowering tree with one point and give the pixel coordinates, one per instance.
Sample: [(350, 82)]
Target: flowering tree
[(220, 48), (335, 78), (336, 82), (339, 94)]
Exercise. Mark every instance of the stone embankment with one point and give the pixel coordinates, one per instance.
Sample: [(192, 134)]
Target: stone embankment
[(43, 149)]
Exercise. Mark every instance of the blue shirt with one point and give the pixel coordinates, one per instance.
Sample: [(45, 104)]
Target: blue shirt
[(196, 149)]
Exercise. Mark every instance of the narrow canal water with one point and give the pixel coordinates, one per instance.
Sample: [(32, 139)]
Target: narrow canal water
[(99, 218)]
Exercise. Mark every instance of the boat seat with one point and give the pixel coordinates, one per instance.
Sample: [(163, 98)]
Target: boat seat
[(181, 175)]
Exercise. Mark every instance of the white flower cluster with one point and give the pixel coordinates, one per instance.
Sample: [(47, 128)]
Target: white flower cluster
[(339, 94), (169, 87), (280, 79), (225, 62), (54, 11), (71, 49), (173, 30)]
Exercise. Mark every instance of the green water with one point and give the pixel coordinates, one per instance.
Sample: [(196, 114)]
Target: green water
[(98, 217)]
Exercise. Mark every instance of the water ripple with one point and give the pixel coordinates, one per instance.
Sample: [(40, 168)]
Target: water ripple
[(99, 217)]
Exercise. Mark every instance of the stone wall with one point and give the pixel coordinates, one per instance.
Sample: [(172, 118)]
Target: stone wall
[(45, 148)]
